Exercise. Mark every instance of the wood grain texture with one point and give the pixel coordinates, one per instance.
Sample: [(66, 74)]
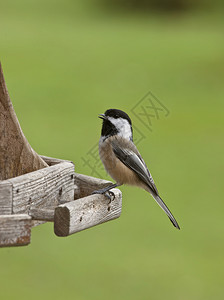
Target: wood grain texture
[(16, 155), (15, 230), (85, 185), (45, 188), (86, 212), (5, 198), (42, 214)]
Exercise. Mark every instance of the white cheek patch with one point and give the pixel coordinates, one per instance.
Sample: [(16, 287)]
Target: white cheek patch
[(123, 127)]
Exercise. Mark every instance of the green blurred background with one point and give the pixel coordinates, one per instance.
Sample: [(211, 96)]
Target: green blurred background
[(66, 61)]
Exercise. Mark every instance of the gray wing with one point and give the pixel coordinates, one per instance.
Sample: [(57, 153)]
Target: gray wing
[(134, 162)]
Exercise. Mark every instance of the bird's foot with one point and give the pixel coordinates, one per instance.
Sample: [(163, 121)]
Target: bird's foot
[(110, 195)]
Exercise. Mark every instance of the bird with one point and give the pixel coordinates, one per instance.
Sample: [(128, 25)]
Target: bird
[(122, 160)]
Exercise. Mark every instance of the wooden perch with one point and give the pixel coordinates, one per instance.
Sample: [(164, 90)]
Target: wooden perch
[(16, 155), (86, 212)]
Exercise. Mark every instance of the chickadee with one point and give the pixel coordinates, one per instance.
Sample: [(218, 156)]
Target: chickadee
[(121, 158)]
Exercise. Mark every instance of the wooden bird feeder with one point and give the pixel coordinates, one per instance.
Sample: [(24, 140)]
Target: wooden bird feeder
[(35, 189)]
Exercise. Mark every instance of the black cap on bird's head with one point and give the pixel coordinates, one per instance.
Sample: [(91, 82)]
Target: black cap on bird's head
[(115, 113), (116, 121)]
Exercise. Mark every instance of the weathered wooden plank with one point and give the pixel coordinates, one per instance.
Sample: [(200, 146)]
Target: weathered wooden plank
[(47, 187), (5, 197), (15, 230), (86, 212), (85, 185), (42, 214)]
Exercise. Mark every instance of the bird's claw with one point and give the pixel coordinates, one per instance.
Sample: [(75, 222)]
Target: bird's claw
[(110, 195)]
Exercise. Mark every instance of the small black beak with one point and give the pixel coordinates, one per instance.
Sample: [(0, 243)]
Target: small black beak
[(102, 116)]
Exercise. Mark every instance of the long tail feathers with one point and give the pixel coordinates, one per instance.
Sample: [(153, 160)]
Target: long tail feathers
[(166, 210)]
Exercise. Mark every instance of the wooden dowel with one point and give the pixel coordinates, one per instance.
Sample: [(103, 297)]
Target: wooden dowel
[(86, 212), (42, 214)]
